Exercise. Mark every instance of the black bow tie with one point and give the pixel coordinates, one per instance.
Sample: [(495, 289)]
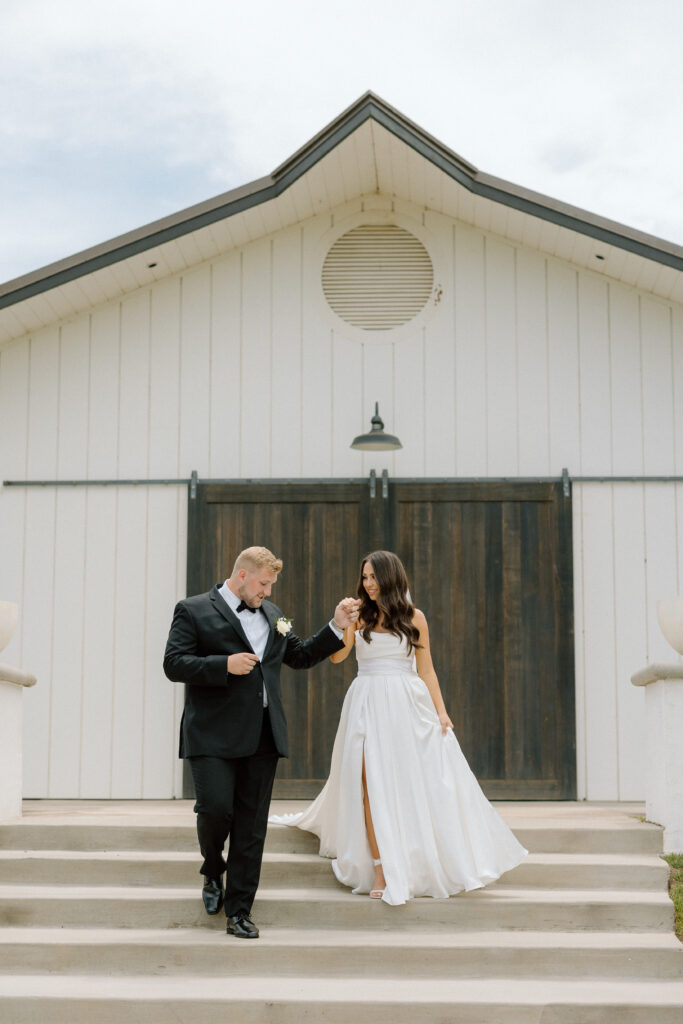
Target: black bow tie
[(242, 606)]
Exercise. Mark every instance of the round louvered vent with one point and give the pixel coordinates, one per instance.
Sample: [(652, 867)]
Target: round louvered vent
[(377, 276)]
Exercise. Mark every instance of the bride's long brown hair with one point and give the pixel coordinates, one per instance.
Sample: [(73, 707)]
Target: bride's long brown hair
[(396, 609)]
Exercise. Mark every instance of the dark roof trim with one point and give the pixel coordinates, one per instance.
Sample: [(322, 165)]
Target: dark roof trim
[(368, 106), (489, 187)]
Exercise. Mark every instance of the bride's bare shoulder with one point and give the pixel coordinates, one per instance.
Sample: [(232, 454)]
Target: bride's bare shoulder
[(419, 619)]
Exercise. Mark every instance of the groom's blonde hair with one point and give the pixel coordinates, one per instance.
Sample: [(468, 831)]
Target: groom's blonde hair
[(256, 558)]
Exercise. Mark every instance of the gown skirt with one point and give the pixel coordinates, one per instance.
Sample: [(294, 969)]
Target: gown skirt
[(436, 832)]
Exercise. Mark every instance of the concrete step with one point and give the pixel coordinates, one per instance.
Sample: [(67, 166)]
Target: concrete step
[(255, 999), (495, 907), (362, 953), (642, 871), (101, 922), (542, 827), (133, 867), (29, 835), (144, 868), (639, 837)]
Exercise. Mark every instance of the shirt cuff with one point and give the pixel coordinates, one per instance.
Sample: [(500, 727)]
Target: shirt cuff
[(339, 633)]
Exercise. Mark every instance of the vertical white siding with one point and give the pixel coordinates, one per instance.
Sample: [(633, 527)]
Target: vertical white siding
[(626, 395), (233, 368), (389, 374), (14, 390), (471, 406), (70, 531), (564, 398), (126, 714), (440, 445), (600, 700), (161, 699), (99, 654), (285, 331), (594, 377), (99, 569), (349, 407), (628, 530), (316, 368), (677, 388), (257, 359), (533, 398), (195, 370), (579, 646), (627, 540), (225, 395), (501, 360), (656, 364), (164, 379), (40, 527)]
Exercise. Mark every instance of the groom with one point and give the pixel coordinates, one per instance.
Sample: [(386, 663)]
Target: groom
[(228, 646)]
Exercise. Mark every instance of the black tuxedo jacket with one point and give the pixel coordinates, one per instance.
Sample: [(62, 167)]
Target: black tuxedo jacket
[(223, 713)]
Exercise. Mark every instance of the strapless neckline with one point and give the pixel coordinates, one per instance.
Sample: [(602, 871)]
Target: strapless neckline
[(374, 632)]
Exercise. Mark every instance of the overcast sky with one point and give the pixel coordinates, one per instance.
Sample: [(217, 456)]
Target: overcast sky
[(114, 114)]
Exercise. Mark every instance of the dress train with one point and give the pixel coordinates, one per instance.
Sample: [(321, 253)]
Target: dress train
[(436, 832)]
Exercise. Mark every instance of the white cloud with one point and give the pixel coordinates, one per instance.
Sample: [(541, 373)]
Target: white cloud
[(122, 113)]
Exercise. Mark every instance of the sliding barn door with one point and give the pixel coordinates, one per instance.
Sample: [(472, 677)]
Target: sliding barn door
[(491, 567), (489, 563), (318, 530)]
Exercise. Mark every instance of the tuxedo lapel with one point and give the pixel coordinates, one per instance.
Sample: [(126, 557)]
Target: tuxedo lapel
[(269, 612), (224, 609)]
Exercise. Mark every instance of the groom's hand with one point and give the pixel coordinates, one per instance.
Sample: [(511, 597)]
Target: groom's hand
[(241, 664), (346, 612)]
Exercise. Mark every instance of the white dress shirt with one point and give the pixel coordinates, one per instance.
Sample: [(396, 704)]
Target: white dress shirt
[(254, 624), (256, 627)]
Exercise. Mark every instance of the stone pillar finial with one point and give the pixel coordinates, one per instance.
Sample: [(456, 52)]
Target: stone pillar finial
[(670, 617), (663, 730), (9, 613), (12, 683)]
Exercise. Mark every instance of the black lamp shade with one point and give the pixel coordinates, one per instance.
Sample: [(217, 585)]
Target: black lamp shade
[(376, 440)]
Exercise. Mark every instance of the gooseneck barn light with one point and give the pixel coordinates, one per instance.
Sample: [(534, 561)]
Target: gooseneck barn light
[(376, 440)]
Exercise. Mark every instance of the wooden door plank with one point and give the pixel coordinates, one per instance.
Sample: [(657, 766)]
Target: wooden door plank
[(318, 530), (490, 564), (516, 673), (502, 630)]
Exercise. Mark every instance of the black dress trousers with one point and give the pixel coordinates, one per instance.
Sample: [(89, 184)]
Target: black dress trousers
[(233, 799)]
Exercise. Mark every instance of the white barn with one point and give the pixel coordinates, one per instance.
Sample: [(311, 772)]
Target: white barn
[(247, 339)]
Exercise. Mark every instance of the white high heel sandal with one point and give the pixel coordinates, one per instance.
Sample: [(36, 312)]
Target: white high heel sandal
[(376, 894)]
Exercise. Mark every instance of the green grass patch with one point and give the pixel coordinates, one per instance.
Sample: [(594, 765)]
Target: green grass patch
[(675, 862)]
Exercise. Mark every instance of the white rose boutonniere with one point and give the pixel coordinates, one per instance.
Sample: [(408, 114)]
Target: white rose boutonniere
[(283, 626)]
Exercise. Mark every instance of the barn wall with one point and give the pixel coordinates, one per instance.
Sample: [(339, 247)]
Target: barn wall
[(235, 369)]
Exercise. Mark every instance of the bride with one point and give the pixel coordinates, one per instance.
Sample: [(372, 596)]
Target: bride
[(401, 814)]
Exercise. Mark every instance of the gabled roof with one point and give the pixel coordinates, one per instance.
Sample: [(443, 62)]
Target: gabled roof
[(369, 148)]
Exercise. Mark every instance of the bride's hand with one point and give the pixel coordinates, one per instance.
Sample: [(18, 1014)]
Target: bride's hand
[(445, 723), (346, 612)]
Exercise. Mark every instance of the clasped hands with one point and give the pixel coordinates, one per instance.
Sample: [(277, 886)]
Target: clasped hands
[(346, 612)]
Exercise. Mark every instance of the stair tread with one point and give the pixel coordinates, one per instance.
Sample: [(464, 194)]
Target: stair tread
[(198, 989), (421, 958), (191, 857), (494, 892), (346, 938)]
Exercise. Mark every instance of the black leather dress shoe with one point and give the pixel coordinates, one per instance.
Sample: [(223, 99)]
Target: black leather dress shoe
[(212, 894), (242, 926)]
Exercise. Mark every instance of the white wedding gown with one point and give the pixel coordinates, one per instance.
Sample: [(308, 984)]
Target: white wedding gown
[(437, 833)]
